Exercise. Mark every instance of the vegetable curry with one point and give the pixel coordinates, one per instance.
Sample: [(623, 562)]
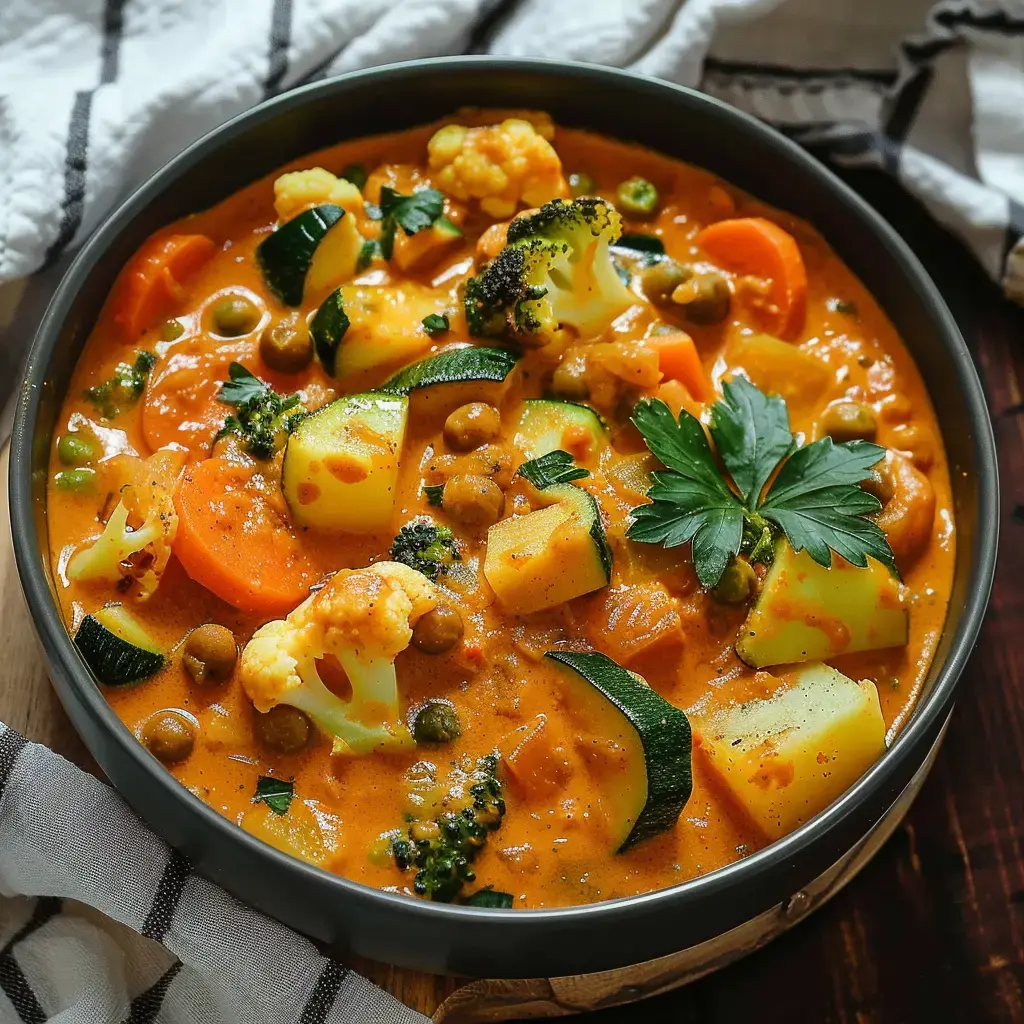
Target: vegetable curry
[(502, 514)]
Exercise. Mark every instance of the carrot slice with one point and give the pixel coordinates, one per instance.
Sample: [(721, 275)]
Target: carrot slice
[(154, 281), (678, 360), (233, 542), (753, 245)]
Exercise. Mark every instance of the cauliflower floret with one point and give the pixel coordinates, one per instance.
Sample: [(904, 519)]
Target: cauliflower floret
[(364, 618), (125, 552), (502, 165), (298, 190)]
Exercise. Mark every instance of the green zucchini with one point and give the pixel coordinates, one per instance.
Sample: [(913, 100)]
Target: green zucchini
[(117, 648), (654, 781), (284, 257), (546, 426), (456, 366), (327, 328), (340, 469)]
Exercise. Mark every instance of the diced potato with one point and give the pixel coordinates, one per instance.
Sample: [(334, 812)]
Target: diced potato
[(297, 832), (341, 465), (809, 613), (787, 758), (335, 259), (626, 621), (425, 248), (543, 559), (781, 368)]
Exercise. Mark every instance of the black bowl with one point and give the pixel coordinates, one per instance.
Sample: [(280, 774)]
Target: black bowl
[(677, 122)]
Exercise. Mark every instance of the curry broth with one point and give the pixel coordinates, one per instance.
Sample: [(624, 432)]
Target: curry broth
[(553, 848)]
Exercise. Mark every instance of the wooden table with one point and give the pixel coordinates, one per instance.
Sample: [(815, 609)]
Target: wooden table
[(932, 932)]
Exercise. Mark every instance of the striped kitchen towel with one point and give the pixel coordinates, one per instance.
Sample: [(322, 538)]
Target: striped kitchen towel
[(97, 94), (101, 923)]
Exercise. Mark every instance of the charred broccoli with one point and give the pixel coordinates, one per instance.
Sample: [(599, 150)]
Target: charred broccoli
[(423, 545), (443, 849), (555, 270), (262, 418)]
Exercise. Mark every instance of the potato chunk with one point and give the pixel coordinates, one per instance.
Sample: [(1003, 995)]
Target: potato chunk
[(786, 758), (809, 613)]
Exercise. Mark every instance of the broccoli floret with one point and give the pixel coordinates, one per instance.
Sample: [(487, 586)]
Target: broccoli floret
[(442, 849), (124, 389), (556, 270), (423, 545), (263, 418)]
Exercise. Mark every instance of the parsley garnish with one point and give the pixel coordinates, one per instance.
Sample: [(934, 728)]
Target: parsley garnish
[(275, 793), (368, 252), (356, 173), (412, 213), (435, 324), (262, 416), (815, 500), (125, 388), (556, 467), (434, 493)]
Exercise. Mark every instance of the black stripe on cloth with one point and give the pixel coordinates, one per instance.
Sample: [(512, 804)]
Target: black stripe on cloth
[(146, 1005), (880, 76), (495, 13), (280, 41), (13, 982), (1014, 227), (902, 113), (77, 146), (325, 991), (918, 51), (11, 745), (168, 895)]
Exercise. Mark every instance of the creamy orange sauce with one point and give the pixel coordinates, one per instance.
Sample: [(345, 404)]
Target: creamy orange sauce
[(554, 847)]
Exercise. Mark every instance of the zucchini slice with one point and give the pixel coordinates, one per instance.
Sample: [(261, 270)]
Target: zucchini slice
[(117, 648), (327, 328), (654, 781), (456, 366), (546, 426), (341, 464), (284, 257)]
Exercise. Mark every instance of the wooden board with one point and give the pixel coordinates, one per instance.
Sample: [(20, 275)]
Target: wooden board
[(933, 929)]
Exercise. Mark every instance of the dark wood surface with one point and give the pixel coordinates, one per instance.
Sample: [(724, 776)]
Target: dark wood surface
[(932, 931)]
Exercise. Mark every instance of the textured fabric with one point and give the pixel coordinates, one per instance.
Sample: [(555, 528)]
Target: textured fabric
[(101, 923), (97, 94)]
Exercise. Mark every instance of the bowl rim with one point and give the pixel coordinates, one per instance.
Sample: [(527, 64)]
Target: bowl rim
[(75, 683)]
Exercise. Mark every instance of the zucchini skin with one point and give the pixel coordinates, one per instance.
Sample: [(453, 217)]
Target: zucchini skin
[(453, 367), (327, 329), (284, 257), (114, 661), (664, 733)]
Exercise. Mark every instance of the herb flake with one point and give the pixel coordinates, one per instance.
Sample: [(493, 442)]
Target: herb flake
[(436, 323), (815, 500), (275, 793), (549, 470), (413, 213)]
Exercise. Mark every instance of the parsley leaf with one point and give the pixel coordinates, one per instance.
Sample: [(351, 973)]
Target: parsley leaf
[(435, 324), (815, 500), (262, 416), (275, 793), (368, 252), (434, 493), (356, 173), (412, 213), (556, 467)]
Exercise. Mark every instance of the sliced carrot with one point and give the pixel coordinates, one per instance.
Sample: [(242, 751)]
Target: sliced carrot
[(153, 284), (233, 542), (753, 245), (678, 360)]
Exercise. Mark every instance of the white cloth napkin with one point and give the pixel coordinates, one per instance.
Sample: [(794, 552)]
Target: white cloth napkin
[(97, 94)]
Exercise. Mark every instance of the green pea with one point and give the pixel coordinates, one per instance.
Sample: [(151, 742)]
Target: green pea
[(638, 198), (661, 279), (79, 480), (581, 185), (737, 583), (436, 722), (171, 330), (710, 301), (235, 316), (76, 449)]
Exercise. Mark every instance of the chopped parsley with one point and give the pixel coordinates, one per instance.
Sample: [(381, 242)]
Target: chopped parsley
[(434, 493), (262, 417), (814, 500), (435, 324), (412, 213), (368, 252), (275, 793), (124, 389), (556, 467)]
